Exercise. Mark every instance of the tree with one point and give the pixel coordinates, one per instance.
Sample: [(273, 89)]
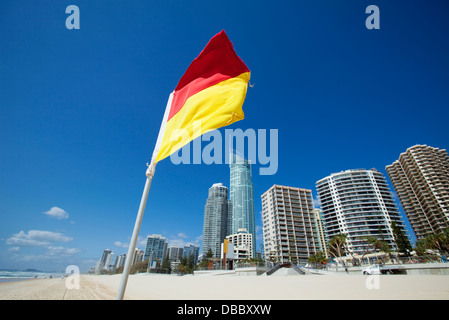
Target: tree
[(401, 240), (436, 241), (373, 244), (209, 253), (318, 257), (337, 246), (187, 265), (166, 265)]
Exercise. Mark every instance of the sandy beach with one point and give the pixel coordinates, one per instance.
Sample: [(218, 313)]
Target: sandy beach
[(169, 287)]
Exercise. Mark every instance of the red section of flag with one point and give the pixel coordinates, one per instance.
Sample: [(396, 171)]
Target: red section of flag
[(216, 63)]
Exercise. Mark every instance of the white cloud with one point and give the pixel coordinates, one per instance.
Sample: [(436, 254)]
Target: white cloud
[(51, 254), (57, 213), (317, 202), (36, 238), (181, 241), (61, 251), (121, 244)]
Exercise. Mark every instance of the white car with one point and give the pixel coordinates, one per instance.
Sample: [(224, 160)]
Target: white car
[(378, 269), (374, 269)]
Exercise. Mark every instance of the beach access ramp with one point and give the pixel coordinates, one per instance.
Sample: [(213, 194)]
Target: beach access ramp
[(285, 269)]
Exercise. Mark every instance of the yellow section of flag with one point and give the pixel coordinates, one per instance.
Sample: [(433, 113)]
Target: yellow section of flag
[(209, 96)]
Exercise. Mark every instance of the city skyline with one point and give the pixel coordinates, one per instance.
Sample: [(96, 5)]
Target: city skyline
[(81, 110)]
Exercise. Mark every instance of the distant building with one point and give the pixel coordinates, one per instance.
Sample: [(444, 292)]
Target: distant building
[(174, 253), (243, 244), (191, 250), (321, 231), (289, 225), (156, 247), (217, 215), (120, 261), (421, 179), (104, 260), (138, 256)]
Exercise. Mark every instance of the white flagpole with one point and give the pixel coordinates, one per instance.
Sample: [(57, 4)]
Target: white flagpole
[(143, 202), (132, 245)]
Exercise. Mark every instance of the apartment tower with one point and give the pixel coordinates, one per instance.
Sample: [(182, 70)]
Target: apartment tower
[(156, 247), (358, 203), (289, 225), (217, 219), (421, 180)]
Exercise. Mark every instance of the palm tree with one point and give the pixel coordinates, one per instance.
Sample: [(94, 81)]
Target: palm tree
[(337, 246), (438, 241), (374, 244)]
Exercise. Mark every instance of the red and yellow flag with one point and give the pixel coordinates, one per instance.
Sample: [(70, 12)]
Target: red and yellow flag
[(209, 96)]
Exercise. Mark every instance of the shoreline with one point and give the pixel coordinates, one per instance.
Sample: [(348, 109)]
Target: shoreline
[(189, 287)]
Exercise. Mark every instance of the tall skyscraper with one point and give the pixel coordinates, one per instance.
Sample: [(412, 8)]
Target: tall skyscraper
[(421, 180), (242, 197), (359, 204), (289, 225), (156, 247), (104, 257), (191, 250), (103, 262), (217, 219)]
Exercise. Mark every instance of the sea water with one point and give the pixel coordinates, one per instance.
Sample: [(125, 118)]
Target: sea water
[(17, 275)]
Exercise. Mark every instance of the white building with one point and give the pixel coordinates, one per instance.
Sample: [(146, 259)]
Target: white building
[(289, 225), (358, 203), (243, 244)]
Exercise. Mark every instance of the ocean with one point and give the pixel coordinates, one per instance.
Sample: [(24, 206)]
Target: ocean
[(18, 275)]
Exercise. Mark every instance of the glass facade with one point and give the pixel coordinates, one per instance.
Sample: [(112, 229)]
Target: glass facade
[(156, 247), (242, 197)]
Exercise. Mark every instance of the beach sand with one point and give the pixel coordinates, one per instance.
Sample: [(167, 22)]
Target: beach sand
[(170, 287)]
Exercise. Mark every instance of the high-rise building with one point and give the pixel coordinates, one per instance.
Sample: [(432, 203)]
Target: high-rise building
[(191, 250), (120, 261), (421, 180), (243, 244), (139, 256), (289, 232), (104, 257), (156, 247), (358, 203), (242, 197), (217, 219), (174, 253), (321, 231)]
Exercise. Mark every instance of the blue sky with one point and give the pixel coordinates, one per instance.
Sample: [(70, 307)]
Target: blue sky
[(81, 109)]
